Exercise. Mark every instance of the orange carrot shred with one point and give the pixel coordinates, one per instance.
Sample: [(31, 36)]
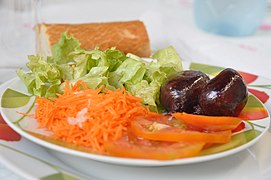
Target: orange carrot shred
[(88, 117)]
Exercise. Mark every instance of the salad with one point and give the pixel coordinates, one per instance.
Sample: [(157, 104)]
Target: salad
[(110, 68), (122, 105)]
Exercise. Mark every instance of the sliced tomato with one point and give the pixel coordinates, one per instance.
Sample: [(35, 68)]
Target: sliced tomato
[(209, 123), (157, 117), (163, 132), (153, 149), (162, 119)]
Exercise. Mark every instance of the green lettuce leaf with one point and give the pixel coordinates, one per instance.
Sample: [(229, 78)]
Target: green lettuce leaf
[(115, 58), (66, 71), (130, 70), (165, 64), (28, 79), (44, 78), (147, 91), (61, 50), (169, 60)]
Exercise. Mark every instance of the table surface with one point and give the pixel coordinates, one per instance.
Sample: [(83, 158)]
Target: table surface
[(168, 23), (5, 173)]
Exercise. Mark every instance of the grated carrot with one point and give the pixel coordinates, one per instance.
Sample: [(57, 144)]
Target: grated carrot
[(108, 115)]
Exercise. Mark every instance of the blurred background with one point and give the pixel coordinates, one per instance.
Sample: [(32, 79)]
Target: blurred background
[(228, 33)]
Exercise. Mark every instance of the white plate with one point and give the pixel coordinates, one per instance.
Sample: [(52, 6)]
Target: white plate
[(11, 115), (253, 162)]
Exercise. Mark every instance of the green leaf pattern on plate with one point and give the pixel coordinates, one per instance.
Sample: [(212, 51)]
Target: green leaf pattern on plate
[(14, 99), (237, 140), (253, 102), (208, 69), (59, 176)]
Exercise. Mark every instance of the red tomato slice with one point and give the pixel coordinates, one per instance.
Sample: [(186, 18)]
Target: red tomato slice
[(163, 119), (163, 132), (209, 123), (153, 149)]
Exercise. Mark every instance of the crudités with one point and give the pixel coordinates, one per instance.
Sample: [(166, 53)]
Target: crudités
[(110, 102), (117, 123)]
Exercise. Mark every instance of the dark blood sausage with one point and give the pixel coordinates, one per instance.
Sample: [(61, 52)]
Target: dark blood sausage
[(224, 95), (180, 92)]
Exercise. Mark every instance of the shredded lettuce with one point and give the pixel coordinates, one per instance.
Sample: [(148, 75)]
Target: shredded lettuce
[(110, 68), (61, 50)]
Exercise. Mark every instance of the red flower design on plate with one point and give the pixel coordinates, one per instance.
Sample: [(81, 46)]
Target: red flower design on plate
[(248, 78), (261, 95), (253, 113), (240, 127), (6, 133)]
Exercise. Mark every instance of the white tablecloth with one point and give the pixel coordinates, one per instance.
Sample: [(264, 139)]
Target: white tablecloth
[(168, 23), (7, 174)]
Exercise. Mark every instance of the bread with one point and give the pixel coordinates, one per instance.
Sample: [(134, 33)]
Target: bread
[(129, 37)]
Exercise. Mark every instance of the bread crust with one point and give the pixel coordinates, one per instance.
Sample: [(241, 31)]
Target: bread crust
[(129, 36)]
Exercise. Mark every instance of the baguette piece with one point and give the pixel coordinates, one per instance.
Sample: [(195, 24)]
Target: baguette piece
[(129, 36)]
